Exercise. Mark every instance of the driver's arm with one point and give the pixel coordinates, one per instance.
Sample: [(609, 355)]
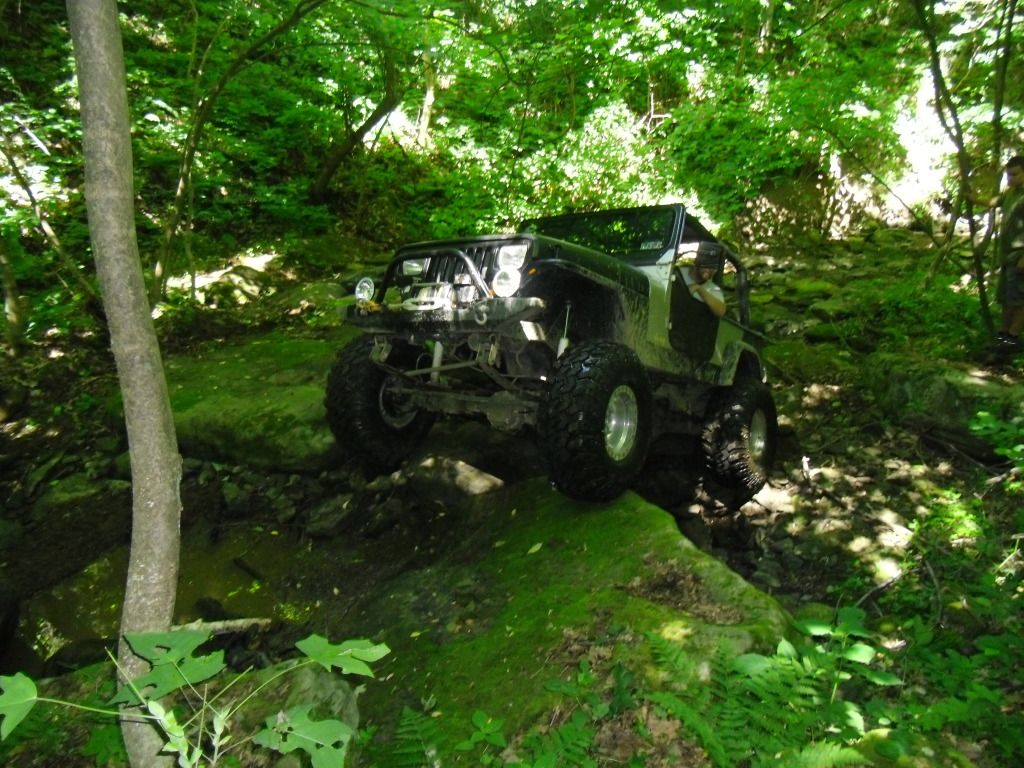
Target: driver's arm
[(715, 304)]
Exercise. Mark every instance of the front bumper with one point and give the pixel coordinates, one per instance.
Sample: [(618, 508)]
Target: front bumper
[(491, 315)]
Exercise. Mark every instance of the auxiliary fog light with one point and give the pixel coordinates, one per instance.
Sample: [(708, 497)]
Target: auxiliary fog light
[(364, 289), (505, 283)]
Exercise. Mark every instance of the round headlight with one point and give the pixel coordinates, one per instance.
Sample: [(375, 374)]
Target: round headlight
[(512, 256), (505, 283), (364, 289)]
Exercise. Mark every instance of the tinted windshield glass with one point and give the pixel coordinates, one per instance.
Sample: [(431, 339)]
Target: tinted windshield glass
[(618, 233)]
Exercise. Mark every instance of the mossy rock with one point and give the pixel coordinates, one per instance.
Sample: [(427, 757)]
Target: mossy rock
[(258, 403), (805, 289), (941, 398), (535, 584), (804, 362)]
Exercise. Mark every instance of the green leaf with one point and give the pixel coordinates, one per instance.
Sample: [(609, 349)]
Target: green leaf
[(851, 622), (786, 649), (18, 697), (751, 664), (173, 666), (860, 653), (350, 657), (815, 627), (325, 741), (852, 717), (880, 677)]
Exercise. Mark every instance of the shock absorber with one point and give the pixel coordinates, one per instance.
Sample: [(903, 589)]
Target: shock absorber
[(563, 342), (435, 375)]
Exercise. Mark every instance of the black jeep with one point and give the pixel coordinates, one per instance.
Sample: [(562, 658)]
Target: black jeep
[(579, 327)]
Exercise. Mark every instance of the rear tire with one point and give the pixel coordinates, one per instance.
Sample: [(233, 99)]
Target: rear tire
[(363, 412), (594, 424), (740, 437)]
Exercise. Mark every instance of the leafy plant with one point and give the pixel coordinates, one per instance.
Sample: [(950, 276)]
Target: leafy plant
[(790, 707), (1007, 438), (203, 736)]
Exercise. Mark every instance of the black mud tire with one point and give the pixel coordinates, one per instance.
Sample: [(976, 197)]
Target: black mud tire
[(740, 437), (594, 424), (380, 435)]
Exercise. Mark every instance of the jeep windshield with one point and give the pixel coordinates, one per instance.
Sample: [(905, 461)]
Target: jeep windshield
[(634, 234)]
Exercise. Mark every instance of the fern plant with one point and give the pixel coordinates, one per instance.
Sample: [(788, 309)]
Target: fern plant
[(781, 709)]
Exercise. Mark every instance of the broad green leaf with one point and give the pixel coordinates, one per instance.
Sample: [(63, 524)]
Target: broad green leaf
[(751, 664), (173, 666), (18, 697), (860, 653), (350, 657), (815, 627), (325, 741), (852, 716), (880, 677), (786, 649), (851, 622)]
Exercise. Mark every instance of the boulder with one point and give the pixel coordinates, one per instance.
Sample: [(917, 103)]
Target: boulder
[(258, 403)]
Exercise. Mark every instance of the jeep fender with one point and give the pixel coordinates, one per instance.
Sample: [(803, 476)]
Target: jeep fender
[(741, 359)]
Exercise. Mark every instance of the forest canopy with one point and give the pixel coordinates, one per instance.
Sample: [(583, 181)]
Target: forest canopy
[(388, 121)]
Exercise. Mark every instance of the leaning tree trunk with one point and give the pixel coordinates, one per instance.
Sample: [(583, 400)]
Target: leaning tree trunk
[(334, 159), (155, 463)]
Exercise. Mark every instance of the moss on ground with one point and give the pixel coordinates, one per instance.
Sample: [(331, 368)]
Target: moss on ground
[(538, 582)]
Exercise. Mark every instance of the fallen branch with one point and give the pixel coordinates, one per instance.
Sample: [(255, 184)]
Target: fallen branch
[(226, 626)]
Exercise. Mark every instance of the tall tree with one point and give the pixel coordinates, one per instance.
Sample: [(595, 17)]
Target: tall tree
[(203, 110), (155, 463)]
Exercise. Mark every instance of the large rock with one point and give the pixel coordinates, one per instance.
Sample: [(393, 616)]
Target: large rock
[(513, 588), (941, 399), (258, 403)]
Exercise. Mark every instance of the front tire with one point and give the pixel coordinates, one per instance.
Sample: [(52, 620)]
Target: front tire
[(740, 437), (594, 424), (363, 411)]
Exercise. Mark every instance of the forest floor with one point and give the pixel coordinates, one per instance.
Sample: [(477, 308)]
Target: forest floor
[(859, 511)]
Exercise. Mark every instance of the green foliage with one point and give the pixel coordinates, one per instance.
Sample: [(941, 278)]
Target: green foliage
[(173, 665), (417, 741), (17, 699), (790, 707), (798, 707), (203, 737), (1007, 438), (325, 741)]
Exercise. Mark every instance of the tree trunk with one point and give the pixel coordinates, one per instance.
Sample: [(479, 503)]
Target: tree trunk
[(341, 152), (14, 317), (429, 94), (949, 117), (155, 463)]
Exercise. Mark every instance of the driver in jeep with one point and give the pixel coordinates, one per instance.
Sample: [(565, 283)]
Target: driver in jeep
[(699, 279)]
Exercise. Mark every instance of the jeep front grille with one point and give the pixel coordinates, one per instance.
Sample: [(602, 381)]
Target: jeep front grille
[(449, 268)]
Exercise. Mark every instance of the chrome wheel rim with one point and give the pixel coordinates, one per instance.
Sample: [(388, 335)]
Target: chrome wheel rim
[(757, 436), (621, 423)]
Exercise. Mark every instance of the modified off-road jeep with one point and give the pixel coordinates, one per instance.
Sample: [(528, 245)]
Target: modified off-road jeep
[(580, 327)]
